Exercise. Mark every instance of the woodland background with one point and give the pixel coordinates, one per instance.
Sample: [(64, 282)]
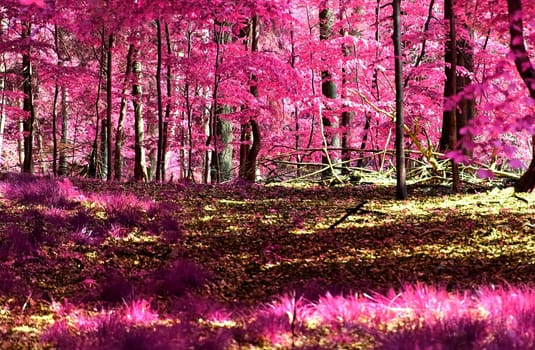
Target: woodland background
[(212, 90)]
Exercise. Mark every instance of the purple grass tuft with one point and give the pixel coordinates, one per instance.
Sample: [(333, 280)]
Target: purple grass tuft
[(17, 243), (182, 276), (116, 288), (33, 190), (124, 209)]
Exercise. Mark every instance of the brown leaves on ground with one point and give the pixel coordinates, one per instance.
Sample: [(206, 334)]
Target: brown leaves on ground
[(242, 245)]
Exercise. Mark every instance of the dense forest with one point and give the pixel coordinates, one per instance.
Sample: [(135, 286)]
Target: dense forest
[(265, 90)]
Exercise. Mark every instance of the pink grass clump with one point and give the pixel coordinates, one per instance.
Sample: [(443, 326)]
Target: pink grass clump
[(281, 322), (123, 209), (139, 312)]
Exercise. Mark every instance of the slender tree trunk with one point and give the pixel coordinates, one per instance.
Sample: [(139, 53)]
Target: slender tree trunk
[(62, 166), (54, 131), (119, 132), (140, 167), (43, 165), (401, 187), (189, 115), (167, 106), (20, 141), (159, 157), (222, 157), (525, 68), (94, 166), (60, 92), (2, 105), (293, 58), (28, 106), (347, 115), (109, 109), (328, 86), (450, 116), (3, 76), (212, 169)]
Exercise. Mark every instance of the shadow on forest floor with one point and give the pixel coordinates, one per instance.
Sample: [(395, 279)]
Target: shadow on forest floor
[(177, 266)]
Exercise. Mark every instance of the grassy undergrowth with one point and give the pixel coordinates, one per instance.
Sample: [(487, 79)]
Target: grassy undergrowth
[(93, 265)]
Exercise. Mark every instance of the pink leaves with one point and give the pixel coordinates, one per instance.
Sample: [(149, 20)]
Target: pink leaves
[(485, 173), (38, 3)]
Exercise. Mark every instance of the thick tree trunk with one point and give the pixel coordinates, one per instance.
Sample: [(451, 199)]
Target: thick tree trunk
[(225, 155), (462, 53), (140, 167), (401, 187), (28, 107), (525, 68), (251, 130)]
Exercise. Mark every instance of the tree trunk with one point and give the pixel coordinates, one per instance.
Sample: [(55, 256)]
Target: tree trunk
[(169, 87), (251, 130), (54, 130), (328, 89), (222, 169), (462, 53), (159, 156), (43, 164), (453, 128), (109, 109), (62, 166), (119, 132), (28, 107), (94, 166), (140, 167), (525, 68), (401, 187), (347, 115), (3, 76)]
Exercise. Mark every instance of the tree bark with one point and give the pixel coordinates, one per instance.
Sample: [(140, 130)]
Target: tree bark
[(109, 108), (461, 52), (95, 166), (328, 87), (251, 130), (525, 68), (401, 186), (54, 130), (450, 125), (119, 132), (140, 167), (3, 76), (159, 156), (28, 106), (169, 88)]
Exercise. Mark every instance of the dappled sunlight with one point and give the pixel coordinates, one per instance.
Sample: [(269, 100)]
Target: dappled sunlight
[(262, 268)]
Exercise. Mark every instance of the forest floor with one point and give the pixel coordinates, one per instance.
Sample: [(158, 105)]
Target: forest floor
[(94, 265)]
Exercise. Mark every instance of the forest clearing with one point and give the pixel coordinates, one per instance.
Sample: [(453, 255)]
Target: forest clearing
[(94, 265)]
